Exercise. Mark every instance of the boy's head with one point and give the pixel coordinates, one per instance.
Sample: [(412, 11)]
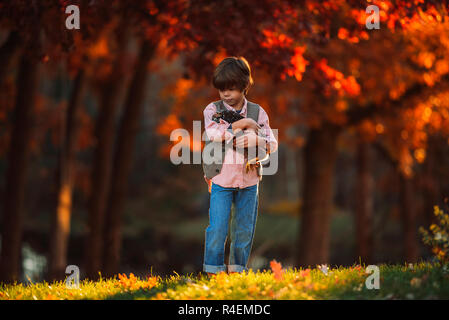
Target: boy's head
[(233, 73)]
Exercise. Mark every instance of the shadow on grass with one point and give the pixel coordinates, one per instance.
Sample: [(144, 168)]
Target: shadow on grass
[(175, 283)]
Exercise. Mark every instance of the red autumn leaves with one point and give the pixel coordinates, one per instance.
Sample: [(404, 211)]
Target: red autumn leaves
[(343, 85)]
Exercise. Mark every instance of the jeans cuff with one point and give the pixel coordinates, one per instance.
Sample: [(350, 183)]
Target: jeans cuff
[(214, 269), (236, 268)]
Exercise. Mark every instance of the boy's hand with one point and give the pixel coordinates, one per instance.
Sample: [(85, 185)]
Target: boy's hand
[(246, 123), (248, 140)]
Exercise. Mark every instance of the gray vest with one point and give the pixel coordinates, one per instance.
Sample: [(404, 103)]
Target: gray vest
[(214, 168)]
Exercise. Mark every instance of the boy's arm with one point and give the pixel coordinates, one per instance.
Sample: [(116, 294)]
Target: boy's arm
[(216, 131), (245, 123), (266, 134)]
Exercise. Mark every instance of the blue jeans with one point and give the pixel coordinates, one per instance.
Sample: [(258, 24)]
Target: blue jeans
[(242, 229)]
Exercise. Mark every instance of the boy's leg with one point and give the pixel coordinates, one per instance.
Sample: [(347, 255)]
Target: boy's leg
[(242, 227), (216, 233)]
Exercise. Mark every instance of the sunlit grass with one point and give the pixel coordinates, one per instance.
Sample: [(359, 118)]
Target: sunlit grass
[(418, 281)]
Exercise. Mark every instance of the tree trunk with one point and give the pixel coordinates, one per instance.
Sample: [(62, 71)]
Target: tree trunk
[(429, 182), (8, 51), (60, 228), (123, 161), (364, 203), (408, 215), (16, 173), (319, 163), (291, 173), (102, 166)]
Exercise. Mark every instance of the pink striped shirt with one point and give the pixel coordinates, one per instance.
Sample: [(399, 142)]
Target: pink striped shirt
[(233, 173)]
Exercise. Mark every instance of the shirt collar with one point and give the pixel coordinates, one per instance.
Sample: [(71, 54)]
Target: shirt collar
[(243, 111)]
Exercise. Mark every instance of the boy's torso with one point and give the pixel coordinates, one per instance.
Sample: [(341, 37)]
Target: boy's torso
[(233, 171)]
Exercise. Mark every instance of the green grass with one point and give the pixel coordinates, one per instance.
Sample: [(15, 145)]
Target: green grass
[(419, 281)]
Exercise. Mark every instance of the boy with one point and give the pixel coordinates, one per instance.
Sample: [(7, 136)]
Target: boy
[(227, 179)]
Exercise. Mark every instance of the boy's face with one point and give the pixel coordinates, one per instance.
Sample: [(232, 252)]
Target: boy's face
[(232, 96)]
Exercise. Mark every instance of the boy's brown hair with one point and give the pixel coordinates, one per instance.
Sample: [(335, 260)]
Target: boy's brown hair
[(233, 72)]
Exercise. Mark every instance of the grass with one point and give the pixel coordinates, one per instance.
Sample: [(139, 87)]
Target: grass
[(418, 281)]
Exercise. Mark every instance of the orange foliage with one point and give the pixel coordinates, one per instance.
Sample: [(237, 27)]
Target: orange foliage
[(273, 39), (182, 88), (133, 283), (219, 56), (298, 64), (99, 49), (343, 85), (278, 272), (152, 9), (343, 34), (170, 123)]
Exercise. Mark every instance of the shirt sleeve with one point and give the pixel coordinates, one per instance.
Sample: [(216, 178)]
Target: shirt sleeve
[(216, 131), (265, 132)]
